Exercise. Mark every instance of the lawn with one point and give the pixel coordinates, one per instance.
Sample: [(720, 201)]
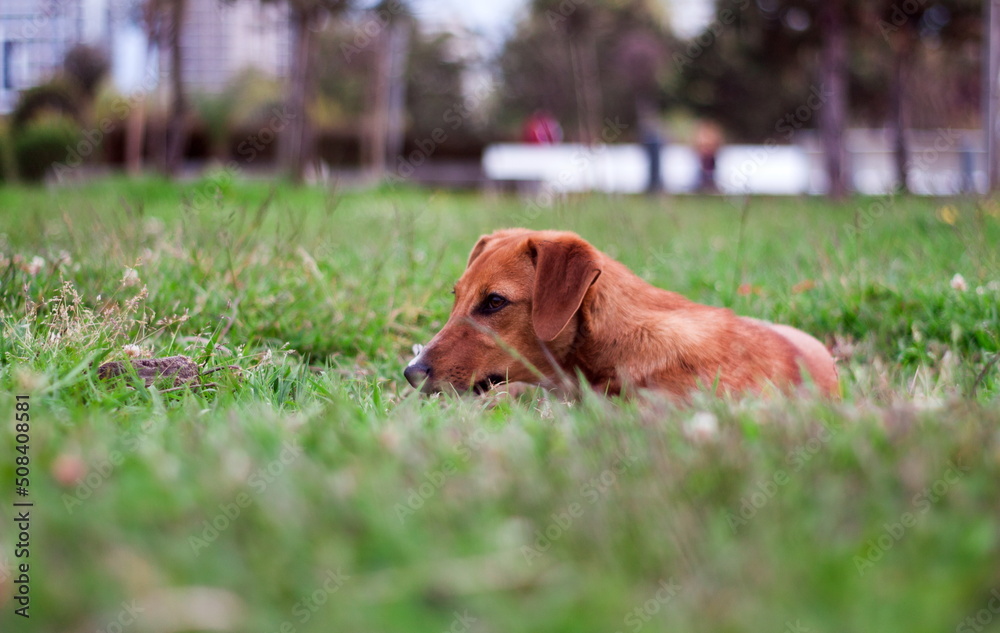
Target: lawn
[(309, 489)]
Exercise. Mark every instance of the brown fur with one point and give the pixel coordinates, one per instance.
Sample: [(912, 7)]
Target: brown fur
[(571, 308)]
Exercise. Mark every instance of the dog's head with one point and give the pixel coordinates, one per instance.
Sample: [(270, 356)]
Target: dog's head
[(516, 312)]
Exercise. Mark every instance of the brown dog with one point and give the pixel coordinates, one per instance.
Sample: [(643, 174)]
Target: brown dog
[(537, 306)]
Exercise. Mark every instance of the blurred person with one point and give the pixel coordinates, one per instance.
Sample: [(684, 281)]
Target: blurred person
[(541, 128), (652, 142), (707, 141), (967, 166)]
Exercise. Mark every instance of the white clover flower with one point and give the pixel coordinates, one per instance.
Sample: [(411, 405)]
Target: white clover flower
[(958, 283), (130, 278), (153, 226), (702, 426), (35, 266)]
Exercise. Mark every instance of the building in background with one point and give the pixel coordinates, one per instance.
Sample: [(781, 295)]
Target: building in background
[(221, 39), (34, 38)]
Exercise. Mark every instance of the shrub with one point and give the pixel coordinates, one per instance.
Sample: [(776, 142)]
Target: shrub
[(42, 143), (6, 160), (55, 97)]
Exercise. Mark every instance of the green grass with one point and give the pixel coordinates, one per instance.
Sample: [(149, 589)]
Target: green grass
[(342, 501)]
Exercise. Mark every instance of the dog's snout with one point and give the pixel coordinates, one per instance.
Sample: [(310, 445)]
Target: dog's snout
[(417, 373)]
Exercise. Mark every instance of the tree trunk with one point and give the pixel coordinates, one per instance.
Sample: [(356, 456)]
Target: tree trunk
[(296, 142), (135, 132), (592, 85), (582, 116), (583, 59), (991, 93), (176, 138), (396, 107), (386, 118), (374, 132), (902, 50), (833, 81)]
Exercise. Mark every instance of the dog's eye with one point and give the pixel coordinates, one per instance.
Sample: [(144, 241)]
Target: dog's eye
[(493, 303)]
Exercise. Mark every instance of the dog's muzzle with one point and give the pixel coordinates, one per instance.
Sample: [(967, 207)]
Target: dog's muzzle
[(418, 372)]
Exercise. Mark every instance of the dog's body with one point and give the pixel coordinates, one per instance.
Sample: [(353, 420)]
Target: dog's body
[(537, 306)]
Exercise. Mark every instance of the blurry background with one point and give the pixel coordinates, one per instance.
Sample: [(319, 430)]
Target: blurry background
[(541, 96)]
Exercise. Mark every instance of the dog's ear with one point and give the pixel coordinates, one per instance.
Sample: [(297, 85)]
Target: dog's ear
[(565, 268), (477, 250)]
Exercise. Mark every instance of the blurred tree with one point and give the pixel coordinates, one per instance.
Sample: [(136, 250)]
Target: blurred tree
[(354, 95), (434, 87), (914, 33), (86, 66), (307, 18), (833, 68), (750, 68), (585, 62), (164, 24), (845, 60), (386, 125)]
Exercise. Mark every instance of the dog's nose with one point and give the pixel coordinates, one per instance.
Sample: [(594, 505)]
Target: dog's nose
[(417, 373)]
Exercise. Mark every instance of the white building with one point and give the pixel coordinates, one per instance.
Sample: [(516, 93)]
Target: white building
[(221, 38), (34, 38)]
